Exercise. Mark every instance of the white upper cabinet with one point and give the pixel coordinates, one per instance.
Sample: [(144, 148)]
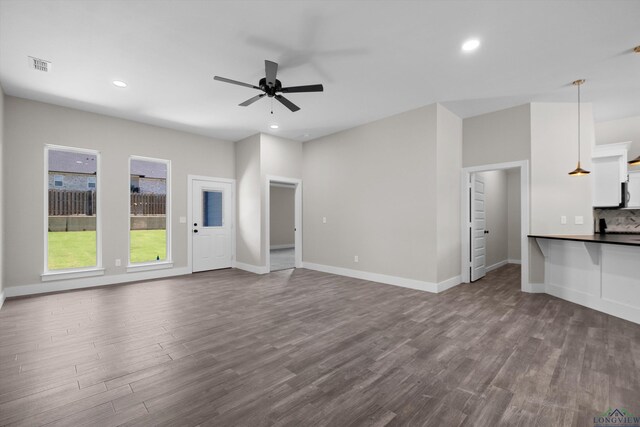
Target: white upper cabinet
[(609, 172), (633, 190)]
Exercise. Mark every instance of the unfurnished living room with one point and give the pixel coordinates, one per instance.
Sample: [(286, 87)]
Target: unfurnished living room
[(319, 213)]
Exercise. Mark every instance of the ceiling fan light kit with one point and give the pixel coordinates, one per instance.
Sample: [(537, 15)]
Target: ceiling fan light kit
[(272, 87), (578, 171)]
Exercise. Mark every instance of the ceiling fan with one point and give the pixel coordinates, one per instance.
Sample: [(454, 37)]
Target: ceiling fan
[(272, 87)]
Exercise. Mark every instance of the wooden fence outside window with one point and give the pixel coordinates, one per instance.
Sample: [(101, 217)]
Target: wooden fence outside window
[(66, 202)]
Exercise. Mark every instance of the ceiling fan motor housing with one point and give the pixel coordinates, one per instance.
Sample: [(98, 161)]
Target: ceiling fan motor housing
[(270, 90)]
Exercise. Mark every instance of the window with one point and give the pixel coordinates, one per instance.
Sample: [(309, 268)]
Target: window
[(212, 208), (149, 191), (91, 183), (71, 216)]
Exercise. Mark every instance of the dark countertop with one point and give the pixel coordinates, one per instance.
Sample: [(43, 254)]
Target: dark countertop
[(612, 239)]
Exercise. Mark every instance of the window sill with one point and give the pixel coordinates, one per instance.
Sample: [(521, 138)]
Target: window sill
[(149, 266), (71, 274)]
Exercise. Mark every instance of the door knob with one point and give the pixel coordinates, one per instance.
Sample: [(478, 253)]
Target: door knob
[(486, 231), (195, 224), (195, 231)]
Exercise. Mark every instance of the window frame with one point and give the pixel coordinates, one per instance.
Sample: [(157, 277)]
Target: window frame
[(70, 273), (55, 181), (168, 261)]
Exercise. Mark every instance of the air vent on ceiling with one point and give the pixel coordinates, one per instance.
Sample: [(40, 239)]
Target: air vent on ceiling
[(39, 64)]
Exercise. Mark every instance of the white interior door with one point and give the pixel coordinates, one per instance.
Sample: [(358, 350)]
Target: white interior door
[(478, 224), (212, 225)]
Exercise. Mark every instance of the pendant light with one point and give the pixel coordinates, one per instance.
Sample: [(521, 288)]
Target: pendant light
[(636, 161), (578, 171)]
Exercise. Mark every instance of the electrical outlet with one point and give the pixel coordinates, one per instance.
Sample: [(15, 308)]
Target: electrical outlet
[(118, 263), (579, 220), (356, 259), (324, 219), (563, 219)]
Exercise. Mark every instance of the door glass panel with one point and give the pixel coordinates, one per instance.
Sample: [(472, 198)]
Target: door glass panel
[(212, 208)]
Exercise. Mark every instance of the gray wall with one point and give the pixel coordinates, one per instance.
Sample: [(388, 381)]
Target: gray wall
[(30, 125), (498, 137), (496, 214), (282, 216), (448, 166), (376, 186), (248, 231), (554, 145), (2, 204)]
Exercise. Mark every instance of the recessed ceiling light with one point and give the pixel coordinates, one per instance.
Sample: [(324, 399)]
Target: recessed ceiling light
[(471, 44), (274, 126), (79, 162), (119, 83)]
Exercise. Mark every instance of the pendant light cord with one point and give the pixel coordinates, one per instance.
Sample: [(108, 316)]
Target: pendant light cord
[(579, 123)]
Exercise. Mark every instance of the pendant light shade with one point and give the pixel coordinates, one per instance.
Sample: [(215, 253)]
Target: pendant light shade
[(578, 171), (635, 162)]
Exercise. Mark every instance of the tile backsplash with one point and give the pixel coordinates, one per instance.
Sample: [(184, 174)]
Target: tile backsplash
[(618, 220)]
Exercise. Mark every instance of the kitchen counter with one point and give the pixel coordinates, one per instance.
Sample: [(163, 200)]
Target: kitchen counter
[(599, 271), (609, 238)]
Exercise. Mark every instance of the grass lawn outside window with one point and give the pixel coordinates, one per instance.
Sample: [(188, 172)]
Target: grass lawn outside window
[(77, 249)]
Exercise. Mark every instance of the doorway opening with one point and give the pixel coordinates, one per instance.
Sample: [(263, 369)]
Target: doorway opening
[(495, 219), (283, 243)]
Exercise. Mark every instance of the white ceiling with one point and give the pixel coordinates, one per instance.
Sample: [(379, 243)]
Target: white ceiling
[(375, 58)]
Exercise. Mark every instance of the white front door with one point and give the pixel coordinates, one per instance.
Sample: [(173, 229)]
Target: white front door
[(478, 223), (212, 225)]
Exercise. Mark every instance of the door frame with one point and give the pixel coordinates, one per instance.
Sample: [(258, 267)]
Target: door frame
[(297, 183), (190, 179), (523, 166)]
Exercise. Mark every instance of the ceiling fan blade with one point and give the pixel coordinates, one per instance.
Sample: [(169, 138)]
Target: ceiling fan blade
[(235, 82), (290, 105), (252, 100), (307, 88), (270, 69)]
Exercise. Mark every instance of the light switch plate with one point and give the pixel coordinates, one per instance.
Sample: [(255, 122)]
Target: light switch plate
[(563, 219), (183, 220), (118, 263), (324, 219), (579, 220)]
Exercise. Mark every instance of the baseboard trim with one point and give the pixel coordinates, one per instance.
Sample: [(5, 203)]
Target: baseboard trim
[(613, 308), (289, 246), (496, 265), (91, 282), (514, 261), (255, 269), (536, 288), (2, 298), (386, 279), (449, 283)]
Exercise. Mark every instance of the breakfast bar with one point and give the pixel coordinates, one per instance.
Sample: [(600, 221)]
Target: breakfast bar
[(600, 271)]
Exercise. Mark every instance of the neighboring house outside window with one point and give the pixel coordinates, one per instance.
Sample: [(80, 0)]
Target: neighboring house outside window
[(71, 181)]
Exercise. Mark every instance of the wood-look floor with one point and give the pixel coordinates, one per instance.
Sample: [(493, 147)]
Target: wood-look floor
[(303, 348)]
